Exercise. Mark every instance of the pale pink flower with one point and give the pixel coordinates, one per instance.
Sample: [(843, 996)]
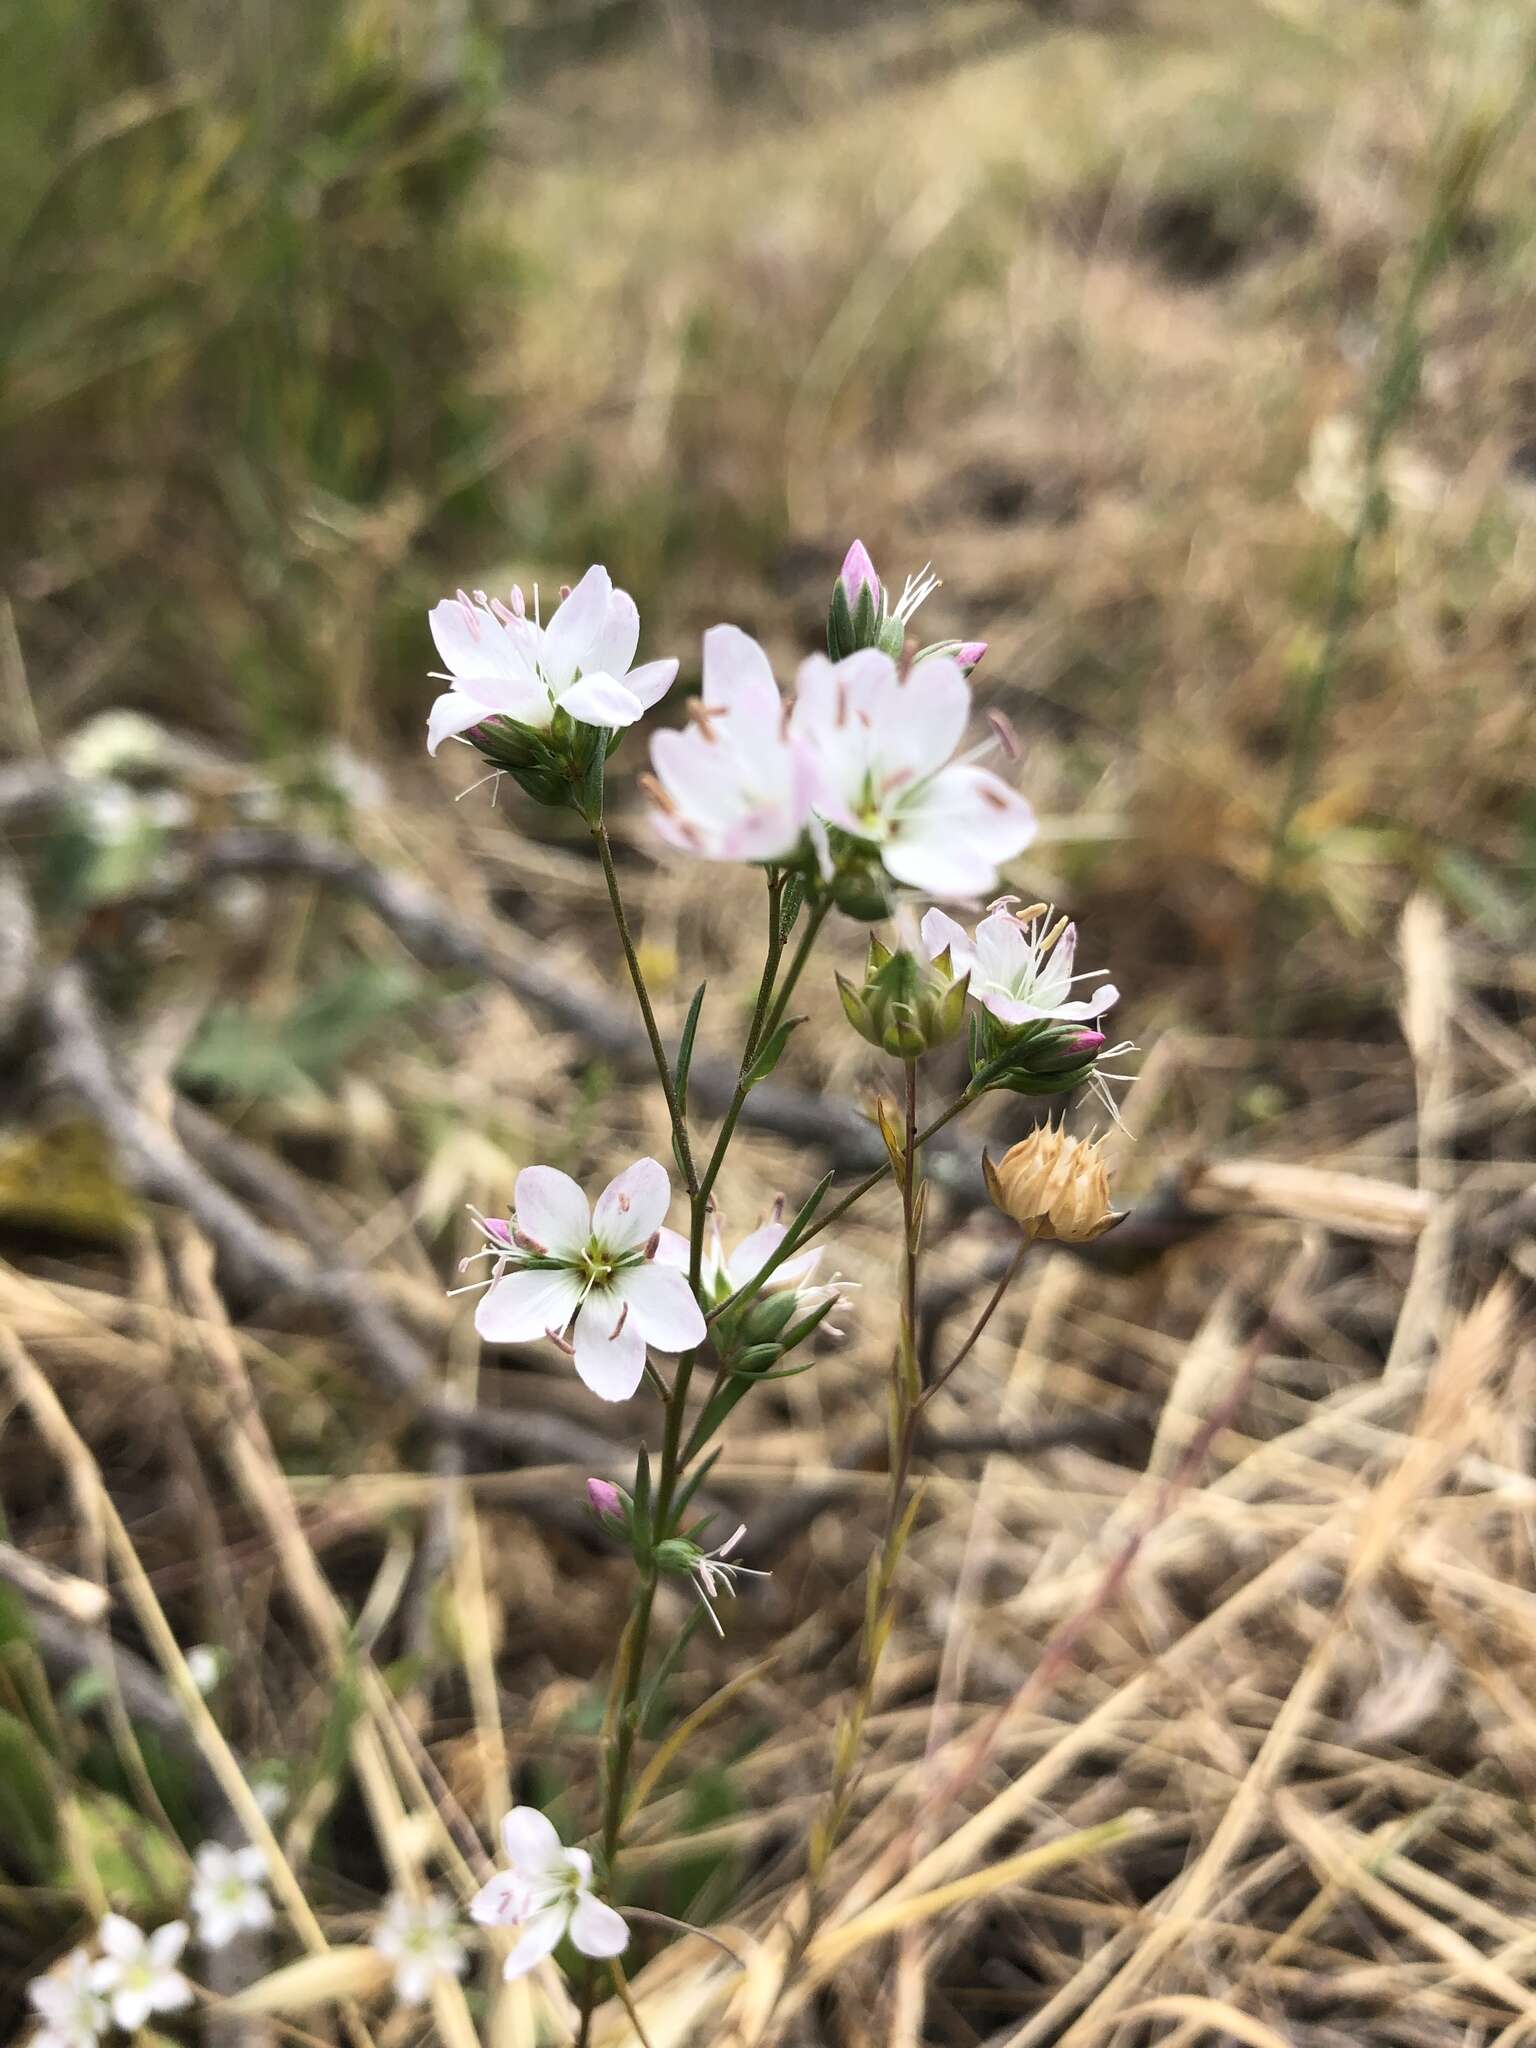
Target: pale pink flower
[(1020, 970), (732, 785), (592, 1271), (883, 747), (502, 664), (546, 1893), (137, 1972), (722, 1273)]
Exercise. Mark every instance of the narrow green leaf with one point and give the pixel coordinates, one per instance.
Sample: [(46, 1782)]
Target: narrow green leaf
[(685, 1049), (773, 1051)]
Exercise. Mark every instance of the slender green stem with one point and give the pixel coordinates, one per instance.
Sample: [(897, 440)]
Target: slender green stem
[(867, 1185), (757, 1033), (816, 917), (621, 1720), (643, 997)]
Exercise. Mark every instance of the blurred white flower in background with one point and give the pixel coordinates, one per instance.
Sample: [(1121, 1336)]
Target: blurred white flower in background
[(71, 2008), (421, 1940), (229, 1893), (137, 1972)]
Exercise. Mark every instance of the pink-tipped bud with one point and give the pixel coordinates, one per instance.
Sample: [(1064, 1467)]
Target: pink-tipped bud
[(605, 1500), (858, 573), (1087, 1044), (969, 653)]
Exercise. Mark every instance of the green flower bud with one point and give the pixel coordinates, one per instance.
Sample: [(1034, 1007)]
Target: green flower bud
[(1035, 1059), (907, 1006), (677, 1554)]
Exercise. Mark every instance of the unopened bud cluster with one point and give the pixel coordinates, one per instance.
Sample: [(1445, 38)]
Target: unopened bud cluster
[(906, 1005)]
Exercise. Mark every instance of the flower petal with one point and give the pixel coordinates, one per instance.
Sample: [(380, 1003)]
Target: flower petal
[(632, 1207), (172, 1992), (167, 1943), (119, 1938), (738, 680), (599, 700), (614, 648), (610, 1349), (531, 1841), (451, 714), (573, 632), (524, 1306), (131, 2009), (651, 681), (458, 630), (535, 1942), (940, 930), (925, 718), (500, 1902), (673, 1249), (597, 1929), (552, 1210), (755, 1249), (661, 1303)]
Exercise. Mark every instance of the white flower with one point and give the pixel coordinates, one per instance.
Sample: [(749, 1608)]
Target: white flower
[(421, 1940), (732, 785), (883, 749), (722, 1273), (138, 1972), (1019, 970), (596, 1267), (502, 664), (229, 1893), (712, 1575), (547, 1893), (73, 2012)]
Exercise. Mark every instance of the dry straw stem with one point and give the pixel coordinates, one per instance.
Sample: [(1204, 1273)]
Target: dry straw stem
[(77, 1600)]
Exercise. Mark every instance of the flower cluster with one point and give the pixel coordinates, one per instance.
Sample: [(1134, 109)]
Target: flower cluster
[(859, 780)]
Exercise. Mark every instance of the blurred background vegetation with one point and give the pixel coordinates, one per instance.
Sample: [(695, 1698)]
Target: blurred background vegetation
[(1191, 342)]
